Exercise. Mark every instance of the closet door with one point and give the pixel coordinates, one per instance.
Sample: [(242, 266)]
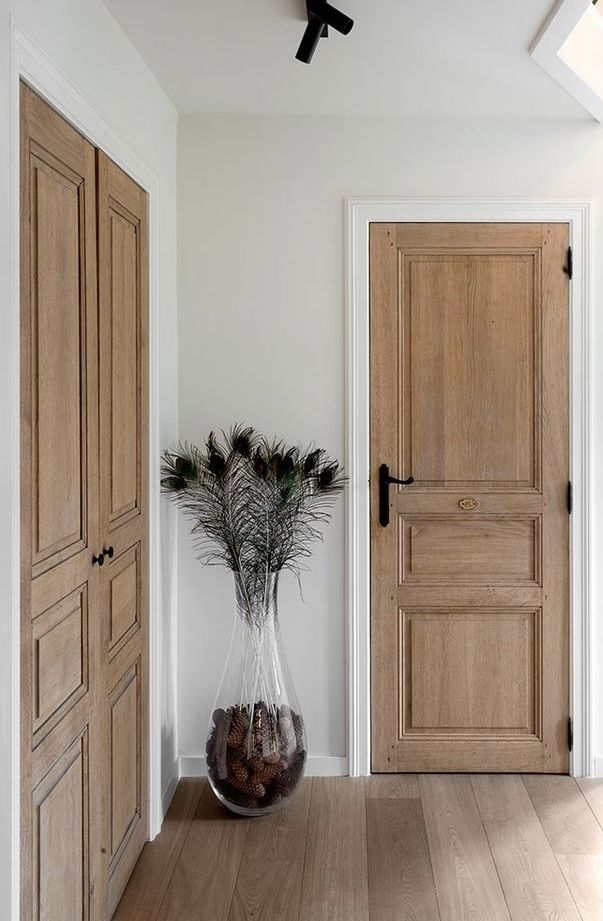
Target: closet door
[(123, 308), (60, 583)]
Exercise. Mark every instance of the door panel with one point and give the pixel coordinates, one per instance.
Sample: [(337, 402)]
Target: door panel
[(58, 358), (469, 582), (84, 573), (61, 854), (124, 598), (469, 382), (456, 680), (488, 548), (125, 761), (125, 358), (123, 309), (60, 658), (59, 518)]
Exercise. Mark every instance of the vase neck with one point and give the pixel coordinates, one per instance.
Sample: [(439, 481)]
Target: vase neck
[(256, 597)]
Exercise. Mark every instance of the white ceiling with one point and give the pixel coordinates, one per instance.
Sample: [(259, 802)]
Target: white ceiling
[(422, 58)]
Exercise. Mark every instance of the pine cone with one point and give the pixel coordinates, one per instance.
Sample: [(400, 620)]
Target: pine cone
[(239, 724), (267, 773), (256, 790), (237, 771)]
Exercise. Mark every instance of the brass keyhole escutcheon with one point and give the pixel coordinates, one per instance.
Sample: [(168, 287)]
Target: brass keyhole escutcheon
[(468, 504)]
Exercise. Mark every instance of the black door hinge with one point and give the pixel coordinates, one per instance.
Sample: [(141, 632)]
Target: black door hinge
[(570, 733), (568, 268), (570, 497)]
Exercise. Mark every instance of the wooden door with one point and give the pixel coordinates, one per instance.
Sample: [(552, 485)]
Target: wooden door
[(123, 308), (84, 462), (60, 534), (469, 580)]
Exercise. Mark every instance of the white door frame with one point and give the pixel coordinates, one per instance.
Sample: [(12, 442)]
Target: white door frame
[(30, 63), (360, 213)]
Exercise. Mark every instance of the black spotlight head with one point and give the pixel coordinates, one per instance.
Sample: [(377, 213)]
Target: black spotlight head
[(332, 17), (310, 40), (321, 15)]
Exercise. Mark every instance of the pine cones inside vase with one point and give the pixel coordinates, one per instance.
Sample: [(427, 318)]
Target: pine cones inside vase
[(256, 759)]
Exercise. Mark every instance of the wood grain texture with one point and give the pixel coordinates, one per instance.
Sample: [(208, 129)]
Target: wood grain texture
[(531, 878), (83, 311), (429, 851), (204, 879), (148, 884), (60, 590), (383, 786), (592, 788), (584, 876), (575, 837), (400, 876), (568, 821), (466, 879), (469, 395), (123, 428), (335, 881), (482, 691), (270, 876)]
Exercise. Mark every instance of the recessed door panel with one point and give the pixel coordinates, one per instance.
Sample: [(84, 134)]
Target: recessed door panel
[(58, 356), (124, 598), (470, 578), (470, 369), (60, 657), (61, 852), (124, 305), (125, 760), (478, 549), (470, 673)]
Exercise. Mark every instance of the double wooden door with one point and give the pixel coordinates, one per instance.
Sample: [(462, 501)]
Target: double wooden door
[(469, 578), (84, 636)]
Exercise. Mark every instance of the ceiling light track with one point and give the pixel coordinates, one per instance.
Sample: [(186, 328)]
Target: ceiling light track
[(321, 15)]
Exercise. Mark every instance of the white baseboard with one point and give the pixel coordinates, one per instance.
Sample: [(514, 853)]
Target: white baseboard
[(598, 767), (170, 788), (318, 766)]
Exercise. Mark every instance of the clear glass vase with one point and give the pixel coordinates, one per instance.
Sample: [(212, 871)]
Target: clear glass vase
[(256, 742)]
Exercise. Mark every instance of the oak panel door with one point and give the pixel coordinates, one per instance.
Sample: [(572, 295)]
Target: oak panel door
[(60, 829), (469, 581), (123, 309)]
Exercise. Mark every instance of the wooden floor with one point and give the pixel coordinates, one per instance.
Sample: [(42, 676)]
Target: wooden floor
[(387, 848)]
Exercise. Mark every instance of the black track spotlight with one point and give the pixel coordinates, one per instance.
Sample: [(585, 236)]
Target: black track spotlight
[(332, 17), (311, 37), (321, 15)]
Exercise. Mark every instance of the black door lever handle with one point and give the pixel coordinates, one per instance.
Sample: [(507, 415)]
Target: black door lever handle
[(384, 482)]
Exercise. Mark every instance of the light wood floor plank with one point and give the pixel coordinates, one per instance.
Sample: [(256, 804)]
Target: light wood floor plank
[(466, 881), (592, 788), (149, 881), (401, 884), (204, 878), (534, 886), (269, 882), (567, 819), (584, 876), (335, 881), (400, 786)]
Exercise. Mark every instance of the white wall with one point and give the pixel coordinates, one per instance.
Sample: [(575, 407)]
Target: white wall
[(261, 330), (84, 42)]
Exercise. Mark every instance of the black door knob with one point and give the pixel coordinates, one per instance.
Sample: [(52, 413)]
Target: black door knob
[(100, 559), (108, 551)]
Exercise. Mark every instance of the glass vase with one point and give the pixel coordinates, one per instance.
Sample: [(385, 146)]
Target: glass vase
[(256, 742)]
